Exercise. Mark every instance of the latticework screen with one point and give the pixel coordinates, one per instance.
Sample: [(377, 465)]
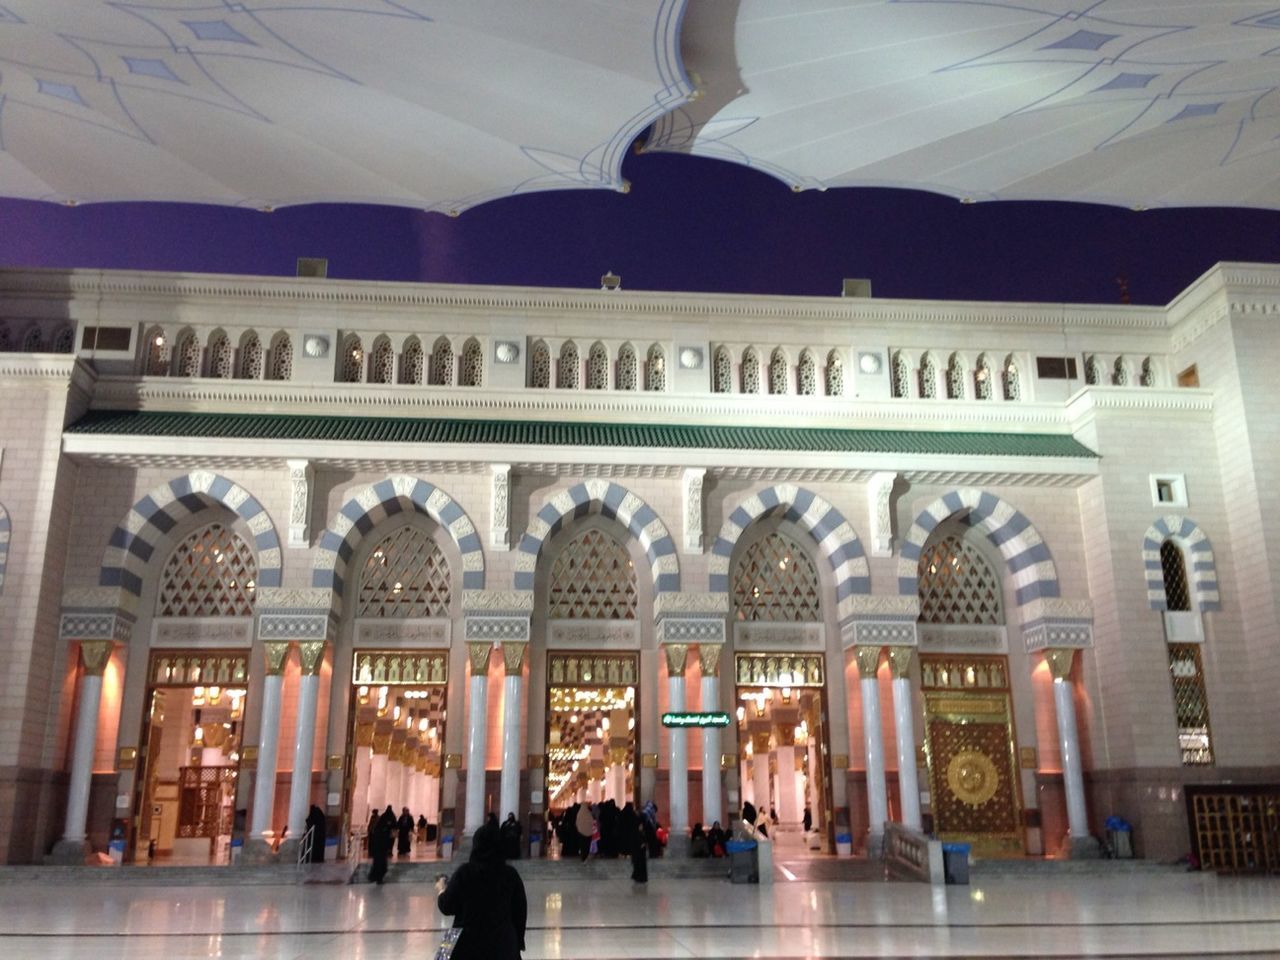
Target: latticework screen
[(957, 585), (211, 573), (1191, 704), (592, 578), (406, 575), (775, 581)]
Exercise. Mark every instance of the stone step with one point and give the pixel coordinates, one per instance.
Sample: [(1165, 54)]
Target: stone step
[(670, 868), (1039, 866)]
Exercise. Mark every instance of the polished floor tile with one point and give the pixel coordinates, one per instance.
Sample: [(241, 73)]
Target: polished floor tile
[(1147, 915)]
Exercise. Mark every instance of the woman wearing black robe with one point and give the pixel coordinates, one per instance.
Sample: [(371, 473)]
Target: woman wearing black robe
[(639, 853), (316, 827), (373, 828), (485, 896), (380, 845), (404, 827)]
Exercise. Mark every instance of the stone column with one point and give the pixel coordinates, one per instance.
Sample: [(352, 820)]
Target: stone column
[(1082, 843), (904, 729), (712, 794), (378, 798), (363, 769), (509, 790), (477, 722), (678, 795), (311, 653), (275, 656), (94, 655), (877, 796)]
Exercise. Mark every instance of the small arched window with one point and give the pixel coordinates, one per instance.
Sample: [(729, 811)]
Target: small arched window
[(157, 353), (899, 382), (750, 371), (540, 366), (928, 375), (280, 361), (722, 371), (569, 369), (598, 367), (628, 365), (352, 360), (250, 357), (472, 364), (187, 359), (64, 340), (982, 378), (775, 581), (955, 377), (807, 374), (956, 584), (779, 372), (592, 578), (31, 342), (1092, 370), (1174, 568), (442, 363), (1147, 376), (1120, 372), (835, 375), (1012, 385), (655, 370), (211, 573), (220, 356), (382, 361), (411, 360)]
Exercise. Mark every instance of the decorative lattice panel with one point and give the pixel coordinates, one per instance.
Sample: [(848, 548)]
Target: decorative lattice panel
[(382, 362), (928, 377), (773, 670), (778, 372), (32, 342), (400, 668), (204, 801), (157, 354), (220, 357), (65, 340), (899, 384), (442, 363), (281, 358), (955, 378), (177, 668), (251, 358), (1120, 373), (472, 374), (540, 366), (957, 585), (751, 372), (592, 669), (406, 575), (593, 578), (352, 360), (568, 370), (655, 371), (982, 379), (211, 573), (628, 366), (188, 356), (1174, 568), (835, 375), (1092, 371), (1147, 376), (806, 375), (722, 372), (598, 368), (1012, 381), (774, 580), (1191, 704)]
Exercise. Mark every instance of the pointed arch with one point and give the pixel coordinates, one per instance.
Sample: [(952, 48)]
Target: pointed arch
[(280, 359), (1092, 370), (382, 361), (833, 534), (133, 542), (751, 370), (250, 357), (982, 378), (779, 372), (568, 370), (722, 371), (956, 377), (219, 350), (441, 373), (1025, 553), (928, 377), (1011, 378), (351, 363), (1121, 375), (32, 342), (835, 374), (806, 374), (361, 513), (598, 367), (472, 366), (1202, 571), (899, 376), (610, 500), (64, 341), (655, 369), (540, 365), (157, 355), (186, 354), (628, 366)]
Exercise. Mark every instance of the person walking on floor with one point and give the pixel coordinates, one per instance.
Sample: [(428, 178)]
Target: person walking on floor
[(486, 898), (404, 827), (382, 839), (639, 853)]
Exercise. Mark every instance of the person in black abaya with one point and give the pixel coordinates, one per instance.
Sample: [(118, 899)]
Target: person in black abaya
[(511, 832), (316, 827), (404, 827), (486, 898), (639, 853), (373, 828), (380, 845)]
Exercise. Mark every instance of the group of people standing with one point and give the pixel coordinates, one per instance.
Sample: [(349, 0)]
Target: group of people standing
[(607, 831), (389, 833)]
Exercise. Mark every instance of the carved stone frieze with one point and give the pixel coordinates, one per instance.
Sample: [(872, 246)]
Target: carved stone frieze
[(757, 635), (879, 491), (691, 630), (939, 638), (1050, 633), (416, 632), (201, 631), (290, 599), (691, 484), (95, 625), (882, 633), (99, 599), (500, 514), (301, 480), (497, 628), (879, 606), (497, 601), (685, 603), (294, 626), (1057, 608), (585, 634)]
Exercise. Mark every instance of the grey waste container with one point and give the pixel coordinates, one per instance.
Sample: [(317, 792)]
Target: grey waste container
[(743, 863), (955, 862)]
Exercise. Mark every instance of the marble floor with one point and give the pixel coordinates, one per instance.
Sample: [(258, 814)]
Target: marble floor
[(1142, 915)]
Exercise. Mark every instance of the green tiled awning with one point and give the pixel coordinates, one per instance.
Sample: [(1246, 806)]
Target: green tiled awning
[(273, 426)]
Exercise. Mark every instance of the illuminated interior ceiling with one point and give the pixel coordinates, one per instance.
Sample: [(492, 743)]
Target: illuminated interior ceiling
[(1139, 103), (432, 104)]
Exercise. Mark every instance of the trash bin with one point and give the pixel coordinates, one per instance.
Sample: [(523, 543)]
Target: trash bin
[(955, 862), (743, 866), (1120, 837), (844, 845)]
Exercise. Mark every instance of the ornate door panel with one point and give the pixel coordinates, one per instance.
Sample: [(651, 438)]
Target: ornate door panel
[(971, 748)]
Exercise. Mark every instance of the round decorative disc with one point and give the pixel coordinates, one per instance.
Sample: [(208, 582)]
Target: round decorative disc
[(973, 778)]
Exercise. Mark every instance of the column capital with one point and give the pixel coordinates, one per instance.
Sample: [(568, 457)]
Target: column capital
[(276, 654), (513, 658), (709, 658), (676, 654), (868, 661), (311, 653), (478, 653), (1060, 661), (94, 655), (900, 661)]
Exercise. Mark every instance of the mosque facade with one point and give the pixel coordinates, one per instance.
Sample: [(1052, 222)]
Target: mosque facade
[(993, 571)]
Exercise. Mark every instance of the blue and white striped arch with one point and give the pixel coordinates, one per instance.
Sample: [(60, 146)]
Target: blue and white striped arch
[(1030, 564), (383, 499), (5, 531), (1202, 572), (133, 543), (612, 501), (830, 530)]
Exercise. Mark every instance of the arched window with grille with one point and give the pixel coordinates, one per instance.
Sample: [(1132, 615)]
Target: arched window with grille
[(212, 572), (382, 361), (779, 372), (411, 361), (835, 375), (1147, 375), (592, 578), (955, 377), (1120, 372), (899, 376), (1092, 370), (1012, 384), (628, 367), (928, 375), (280, 361), (655, 369), (540, 366), (64, 341), (442, 363), (598, 367), (722, 371), (982, 378), (186, 361), (1174, 568), (957, 585), (569, 369), (250, 357), (405, 575), (774, 580), (806, 374), (220, 356), (157, 345), (751, 371), (32, 341), (472, 373), (352, 360)]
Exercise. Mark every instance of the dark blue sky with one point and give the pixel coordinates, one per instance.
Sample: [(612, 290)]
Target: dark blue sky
[(687, 224)]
